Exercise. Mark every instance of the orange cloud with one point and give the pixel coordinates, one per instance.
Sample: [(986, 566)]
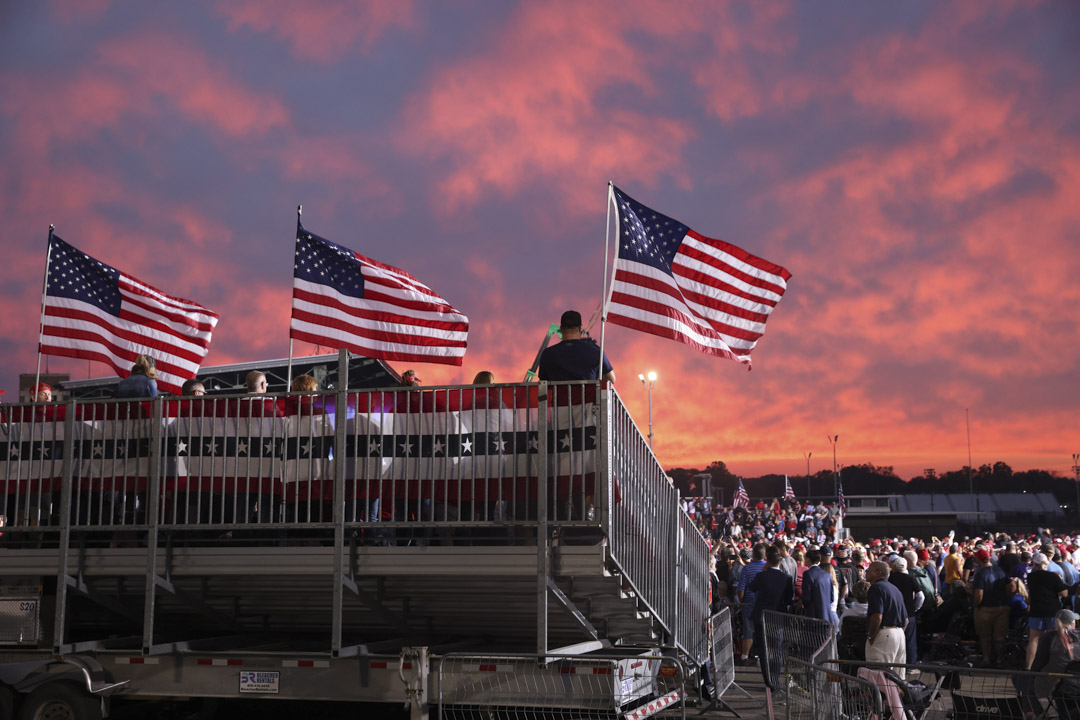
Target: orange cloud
[(322, 32)]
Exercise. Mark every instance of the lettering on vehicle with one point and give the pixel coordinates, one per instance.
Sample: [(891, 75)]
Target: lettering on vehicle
[(28, 606), (258, 681)]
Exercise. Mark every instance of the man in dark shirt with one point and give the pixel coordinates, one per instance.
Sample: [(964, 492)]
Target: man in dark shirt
[(991, 609), (908, 590), (887, 617), (1009, 559), (575, 358), (774, 590), (817, 589)]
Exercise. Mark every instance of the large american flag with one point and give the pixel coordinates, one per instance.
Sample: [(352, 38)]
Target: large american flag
[(96, 312), (741, 498), (789, 494), (345, 300), (673, 282)]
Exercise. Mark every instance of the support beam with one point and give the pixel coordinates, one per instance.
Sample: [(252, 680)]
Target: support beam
[(568, 605)]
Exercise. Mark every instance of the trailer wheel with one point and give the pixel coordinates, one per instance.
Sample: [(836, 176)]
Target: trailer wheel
[(60, 701)]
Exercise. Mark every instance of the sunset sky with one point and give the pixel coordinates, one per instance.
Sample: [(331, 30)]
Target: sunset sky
[(915, 165)]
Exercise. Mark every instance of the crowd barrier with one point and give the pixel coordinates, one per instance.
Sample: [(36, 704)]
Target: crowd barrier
[(818, 692), (788, 637), (722, 652), (622, 686), (933, 692), (489, 464)]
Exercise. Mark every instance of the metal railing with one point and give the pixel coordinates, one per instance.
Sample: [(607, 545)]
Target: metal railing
[(788, 636), (605, 685), (722, 652), (825, 693), (449, 465)]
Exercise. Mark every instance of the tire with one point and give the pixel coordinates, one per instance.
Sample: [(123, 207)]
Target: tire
[(60, 701)]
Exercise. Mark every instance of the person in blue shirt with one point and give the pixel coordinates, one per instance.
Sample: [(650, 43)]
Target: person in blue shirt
[(748, 597), (991, 604), (142, 382), (817, 588), (576, 357)]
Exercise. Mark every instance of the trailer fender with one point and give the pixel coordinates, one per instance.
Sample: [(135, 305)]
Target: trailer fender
[(83, 670)]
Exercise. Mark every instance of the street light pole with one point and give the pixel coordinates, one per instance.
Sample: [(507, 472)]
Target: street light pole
[(807, 456), (1076, 470), (835, 478), (651, 377)]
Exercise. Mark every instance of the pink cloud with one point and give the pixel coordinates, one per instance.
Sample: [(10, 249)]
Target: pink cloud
[(322, 32), (525, 108)]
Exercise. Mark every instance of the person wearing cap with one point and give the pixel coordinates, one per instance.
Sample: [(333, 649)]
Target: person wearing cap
[(575, 358), (42, 392), (1057, 650), (142, 382), (887, 618), (991, 604), (1045, 592)]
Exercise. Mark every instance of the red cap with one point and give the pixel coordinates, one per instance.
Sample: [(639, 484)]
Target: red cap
[(39, 387), (982, 555), (923, 554)]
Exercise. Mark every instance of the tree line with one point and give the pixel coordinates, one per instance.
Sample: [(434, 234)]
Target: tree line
[(870, 479)]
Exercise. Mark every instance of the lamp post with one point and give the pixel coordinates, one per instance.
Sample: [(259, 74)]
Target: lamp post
[(1076, 471), (649, 381), (807, 456), (836, 482)]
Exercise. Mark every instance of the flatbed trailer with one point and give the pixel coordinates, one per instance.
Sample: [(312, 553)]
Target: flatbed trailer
[(453, 549)]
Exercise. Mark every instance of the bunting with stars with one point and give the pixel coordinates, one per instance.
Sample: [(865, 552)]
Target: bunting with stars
[(342, 299), (96, 312), (676, 283)]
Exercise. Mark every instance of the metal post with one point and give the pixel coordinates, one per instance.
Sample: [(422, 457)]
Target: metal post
[(836, 481), (1076, 471), (154, 481), (541, 520), (67, 472), (651, 377), (341, 400), (807, 456)]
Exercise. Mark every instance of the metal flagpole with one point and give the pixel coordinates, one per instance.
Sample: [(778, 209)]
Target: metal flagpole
[(41, 328), (288, 374), (604, 294)]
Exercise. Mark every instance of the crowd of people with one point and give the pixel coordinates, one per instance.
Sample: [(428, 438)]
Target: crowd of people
[(994, 600), (765, 521)]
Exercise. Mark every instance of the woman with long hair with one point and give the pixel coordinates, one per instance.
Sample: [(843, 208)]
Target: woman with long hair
[(142, 382)]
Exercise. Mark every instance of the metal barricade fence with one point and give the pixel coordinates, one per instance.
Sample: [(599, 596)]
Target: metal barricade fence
[(947, 692), (722, 651), (829, 694), (610, 685), (792, 636)]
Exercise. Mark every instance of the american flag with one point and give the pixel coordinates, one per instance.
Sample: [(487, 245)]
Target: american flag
[(789, 494), (345, 300), (673, 282), (741, 498), (96, 312)]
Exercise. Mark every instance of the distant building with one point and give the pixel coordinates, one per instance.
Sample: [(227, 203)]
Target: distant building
[(926, 514)]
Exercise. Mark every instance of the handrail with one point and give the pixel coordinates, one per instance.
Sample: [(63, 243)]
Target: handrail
[(400, 465)]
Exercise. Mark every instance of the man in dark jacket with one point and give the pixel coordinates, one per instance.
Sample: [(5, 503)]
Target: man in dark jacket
[(774, 590)]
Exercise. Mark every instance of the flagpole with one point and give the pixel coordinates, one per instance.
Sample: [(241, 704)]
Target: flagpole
[(288, 374), (41, 327), (604, 293)]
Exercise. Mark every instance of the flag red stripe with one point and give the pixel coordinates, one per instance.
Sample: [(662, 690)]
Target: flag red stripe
[(91, 336), (681, 271), (134, 296), (671, 334), (92, 322), (737, 252), (377, 353), (693, 253), (358, 311), (394, 337), (676, 313)]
